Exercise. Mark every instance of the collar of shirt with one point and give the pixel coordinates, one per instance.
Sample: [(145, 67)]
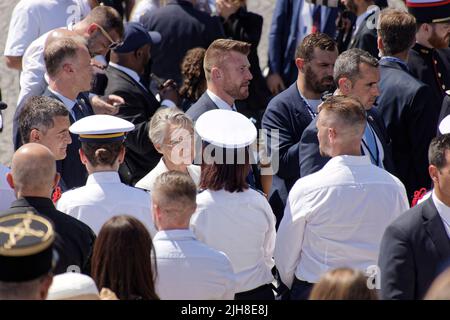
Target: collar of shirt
[(219, 102), (360, 19), (103, 177), (133, 74), (66, 101), (176, 234), (349, 161), (443, 210)]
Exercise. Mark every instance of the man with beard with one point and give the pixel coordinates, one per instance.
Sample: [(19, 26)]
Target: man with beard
[(429, 59), (290, 112), (227, 72), (124, 73), (356, 75)]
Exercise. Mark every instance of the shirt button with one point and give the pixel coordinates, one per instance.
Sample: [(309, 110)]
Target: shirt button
[(434, 61), (439, 75), (443, 87)]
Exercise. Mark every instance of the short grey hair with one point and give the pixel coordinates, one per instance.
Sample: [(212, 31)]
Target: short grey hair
[(164, 117), (56, 52), (347, 64)]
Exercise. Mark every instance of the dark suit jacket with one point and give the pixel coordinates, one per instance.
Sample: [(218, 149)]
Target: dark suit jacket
[(203, 104), (140, 105), (410, 122), (414, 250), (365, 38), (72, 171), (283, 37), (421, 63), (74, 240), (311, 160), (182, 27), (287, 113)]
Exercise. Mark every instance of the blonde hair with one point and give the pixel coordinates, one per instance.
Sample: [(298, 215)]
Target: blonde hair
[(164, 117)]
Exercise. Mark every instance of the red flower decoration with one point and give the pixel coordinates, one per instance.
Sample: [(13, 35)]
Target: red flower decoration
[(417, 196), (56, 194)]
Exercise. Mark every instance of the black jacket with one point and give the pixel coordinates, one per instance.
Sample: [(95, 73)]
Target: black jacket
[(74, 240), (366, 38), (203, 104), (415, 248), (410, 122), (140, 105)]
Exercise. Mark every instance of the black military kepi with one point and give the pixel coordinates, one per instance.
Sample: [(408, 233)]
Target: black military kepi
[(26, 247), (429, 11)]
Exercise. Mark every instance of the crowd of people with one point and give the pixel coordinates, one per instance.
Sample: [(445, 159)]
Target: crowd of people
[(155, 160)]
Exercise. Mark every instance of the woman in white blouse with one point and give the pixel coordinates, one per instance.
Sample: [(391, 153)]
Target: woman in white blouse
[(172, 135), (230, 216)]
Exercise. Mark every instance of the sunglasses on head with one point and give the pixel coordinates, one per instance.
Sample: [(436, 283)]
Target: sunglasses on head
[(113, 44)]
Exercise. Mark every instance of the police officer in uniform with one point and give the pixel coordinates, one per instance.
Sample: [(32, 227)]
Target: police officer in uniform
[(27, 257), (104, 196), (429, 59)]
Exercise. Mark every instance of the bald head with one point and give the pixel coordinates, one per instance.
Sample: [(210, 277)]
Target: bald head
[(33, 171)]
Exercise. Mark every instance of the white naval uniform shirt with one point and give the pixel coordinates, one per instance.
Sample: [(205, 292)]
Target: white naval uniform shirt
[(31, 19), (190, 270), (336, 217), (103, 197), (242, 225), (149, 179), (6, 193)]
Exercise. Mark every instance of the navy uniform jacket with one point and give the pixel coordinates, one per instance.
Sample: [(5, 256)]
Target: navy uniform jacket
[(182, 27), (74, 240), (432, 67), (72, 171), (415, 248), (311, 160), (410, 122), (365, 38), (140, 105)]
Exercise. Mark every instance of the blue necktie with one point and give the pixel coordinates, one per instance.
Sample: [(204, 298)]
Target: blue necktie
[(78, 112), (371, 144)]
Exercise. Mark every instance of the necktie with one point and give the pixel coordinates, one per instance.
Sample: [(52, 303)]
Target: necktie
[(371, 144), (77, 111), (316, 19)]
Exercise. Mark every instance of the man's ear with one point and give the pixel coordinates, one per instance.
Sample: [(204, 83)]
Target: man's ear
[(91, 29), (433, 172), (121, 156), (332, 134), (10, 180), (35, 135), (380, 44), (345, 85), (300, 63), (216, 73)]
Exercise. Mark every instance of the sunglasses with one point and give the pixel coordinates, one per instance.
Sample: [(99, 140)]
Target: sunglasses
[(113, 44)]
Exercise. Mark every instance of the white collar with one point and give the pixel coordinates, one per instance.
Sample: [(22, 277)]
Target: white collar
[(442, 208), (349, 161), (133, 74), (175, 234), (67, 102), (219, 102), (103, 177)]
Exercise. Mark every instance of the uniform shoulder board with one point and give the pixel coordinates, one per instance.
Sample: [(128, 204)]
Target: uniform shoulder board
[(259, 191)]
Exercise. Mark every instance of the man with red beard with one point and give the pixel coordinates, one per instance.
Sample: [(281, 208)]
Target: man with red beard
[(429, 59), (290, 112), (227, 72)]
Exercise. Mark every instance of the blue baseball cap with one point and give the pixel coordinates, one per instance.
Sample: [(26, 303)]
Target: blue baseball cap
[(137, 36)]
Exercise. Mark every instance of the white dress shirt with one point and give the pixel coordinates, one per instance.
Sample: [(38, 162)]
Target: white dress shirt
[(68, 103), (31, 19), (6, 193), (219, 102), (190, 270), (444, 212), (149, 179), (336, 217), (103, 197), (242, 225)]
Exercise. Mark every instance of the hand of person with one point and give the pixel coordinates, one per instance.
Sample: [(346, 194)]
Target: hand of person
[(226, 8), (106, 104), (169, 90), (275, 83), (107, 294)]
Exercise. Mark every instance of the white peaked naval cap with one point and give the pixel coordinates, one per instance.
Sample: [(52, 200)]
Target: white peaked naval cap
[(226, 129), (73, 286), (101, 128), (444, 126)]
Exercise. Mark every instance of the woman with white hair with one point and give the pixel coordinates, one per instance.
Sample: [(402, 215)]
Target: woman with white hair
[(172, 134)]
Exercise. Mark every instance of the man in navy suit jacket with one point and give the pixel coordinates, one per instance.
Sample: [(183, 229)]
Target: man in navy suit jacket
[(356, 74), (416, 247), (290, 112), (285, 36)]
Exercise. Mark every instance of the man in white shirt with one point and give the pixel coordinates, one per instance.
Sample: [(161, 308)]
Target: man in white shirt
[(31, 19), (187, 268), (336, 216)]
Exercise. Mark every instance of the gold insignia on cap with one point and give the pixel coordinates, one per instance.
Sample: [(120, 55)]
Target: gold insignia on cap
[(14, 246)]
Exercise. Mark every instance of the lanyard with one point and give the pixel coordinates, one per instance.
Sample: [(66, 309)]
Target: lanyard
[(402, 63), (310, 110)]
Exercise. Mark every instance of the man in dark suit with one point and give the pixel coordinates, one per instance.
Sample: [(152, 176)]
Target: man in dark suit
[(356, 74), (404, 101), (70, 74), (416, 247), (33, 176), (429, 59), (290, 112), (124, 73), (287, 31), (182, 27)]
